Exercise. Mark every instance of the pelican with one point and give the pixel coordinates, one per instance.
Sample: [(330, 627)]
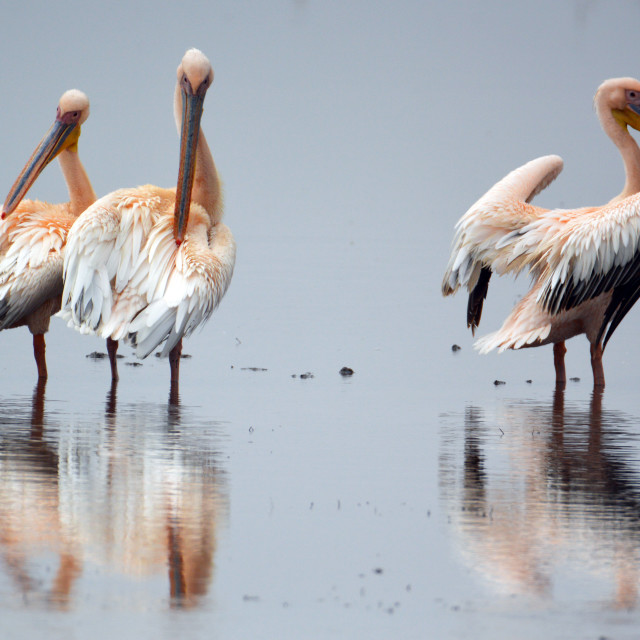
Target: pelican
[(581, 260), (33, 233), (148, 265)]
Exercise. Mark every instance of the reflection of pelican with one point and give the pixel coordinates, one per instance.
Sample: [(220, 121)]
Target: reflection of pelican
[(33, 233), (30, 506), (553, 500), (149, 265), (138, 498), (584, 261), (181, 533)]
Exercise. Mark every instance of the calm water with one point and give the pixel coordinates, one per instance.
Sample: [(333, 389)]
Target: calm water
[(252, 502)]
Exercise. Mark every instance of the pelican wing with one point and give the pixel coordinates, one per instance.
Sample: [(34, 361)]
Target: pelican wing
[(182, 285), (585, 253), (31, 244), (102, 252), (481, 232), (485, 233)]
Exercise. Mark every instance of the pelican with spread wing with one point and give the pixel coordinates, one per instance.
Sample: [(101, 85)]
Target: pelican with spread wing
[(584, 262)]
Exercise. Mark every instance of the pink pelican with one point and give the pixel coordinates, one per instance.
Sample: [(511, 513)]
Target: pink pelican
[(33, 233), (583, 261), (148, 265)]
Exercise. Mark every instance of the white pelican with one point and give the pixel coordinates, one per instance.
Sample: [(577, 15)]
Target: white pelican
[(581, 259), (148, 265), (33, 233)]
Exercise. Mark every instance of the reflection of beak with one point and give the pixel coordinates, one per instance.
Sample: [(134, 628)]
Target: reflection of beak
[(50, 146), (191, 114)]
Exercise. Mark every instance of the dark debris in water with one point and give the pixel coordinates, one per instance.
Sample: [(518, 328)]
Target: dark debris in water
[(303, 376), (253, 369), (346, 371), (133, 364), (498, 382), (100, 355), (528, 381), (455, 347), (574, 379)]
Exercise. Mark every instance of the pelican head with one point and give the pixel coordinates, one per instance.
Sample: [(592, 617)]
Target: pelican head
[(622, 97), (73, 110), (195, 76)]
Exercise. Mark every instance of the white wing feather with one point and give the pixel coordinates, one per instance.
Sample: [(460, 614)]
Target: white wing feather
[(102, 250), (125, 277), (182, 292), (486, 231), (583, 253), (31, 244)]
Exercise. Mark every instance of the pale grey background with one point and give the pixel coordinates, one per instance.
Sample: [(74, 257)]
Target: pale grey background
[(350, 137)]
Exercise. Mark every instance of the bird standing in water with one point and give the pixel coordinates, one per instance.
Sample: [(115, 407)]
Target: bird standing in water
[(582, 260), (33, 233), (148, 265)]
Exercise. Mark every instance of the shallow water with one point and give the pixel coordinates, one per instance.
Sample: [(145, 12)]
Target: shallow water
[(253, 502)]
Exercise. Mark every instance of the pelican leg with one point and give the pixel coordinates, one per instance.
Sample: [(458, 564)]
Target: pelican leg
[(39, 347), (174, 362), (112, 349), (596, 365), (559, 349)]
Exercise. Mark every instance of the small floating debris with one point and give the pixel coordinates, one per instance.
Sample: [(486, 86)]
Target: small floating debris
[(100, 355), (574, 379), (346, 371), (96, 355), (303, 376), (455, 347), (253, 369), (378, 570), (133, 364), (248, 598), (498, 382), (528, 381)]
